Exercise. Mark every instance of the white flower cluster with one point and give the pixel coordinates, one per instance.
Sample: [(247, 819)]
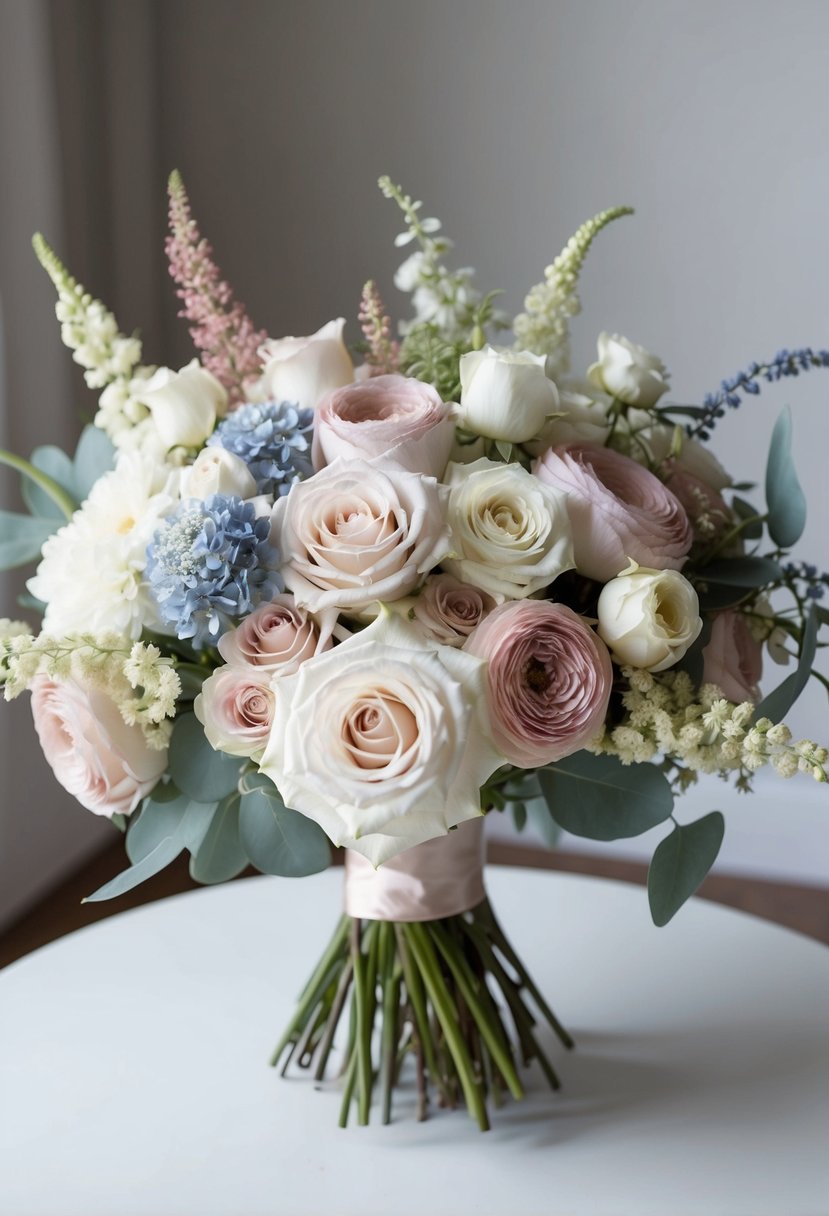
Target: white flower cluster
[(699, 731), (142, 683)]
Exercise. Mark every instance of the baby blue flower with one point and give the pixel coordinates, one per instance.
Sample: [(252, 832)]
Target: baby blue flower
[(273, 439)]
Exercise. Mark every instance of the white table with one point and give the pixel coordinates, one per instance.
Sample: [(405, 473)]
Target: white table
[(133, 1075)]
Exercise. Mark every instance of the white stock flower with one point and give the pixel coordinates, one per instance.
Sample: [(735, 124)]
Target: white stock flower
[(628, 372), (91, 575), (510, 532), (184, 405), (217, 471), (383, 741), (303, 370), (505, 394), (649, 618)]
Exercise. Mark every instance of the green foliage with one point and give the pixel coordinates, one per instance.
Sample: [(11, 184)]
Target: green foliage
[(680, 863), (784, 495), (778, 703), (742, 571), (220, 855), (196, 769), (602, 799), (21, 538), (277, 840)]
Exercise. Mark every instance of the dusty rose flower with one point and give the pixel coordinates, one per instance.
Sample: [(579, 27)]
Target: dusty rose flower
[(548, 680), (236, 708), (706, 508), (447, 611), (278, 636), (394, 416), (733, 658), (358, 532), (105, 764), (618, 511)]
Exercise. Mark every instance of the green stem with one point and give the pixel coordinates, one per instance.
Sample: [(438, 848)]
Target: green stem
[(346, 976), (47, 484), (420, 1015), (313, 989)]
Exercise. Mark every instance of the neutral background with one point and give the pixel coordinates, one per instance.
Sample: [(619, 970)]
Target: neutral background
[(515, 120)]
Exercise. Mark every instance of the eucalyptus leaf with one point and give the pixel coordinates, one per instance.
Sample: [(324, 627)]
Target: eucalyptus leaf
[(94, 456), (778, 703), (741, 571), (166, 814), (602, 799), (784, 495), (680, 863), (220, 855), (200, 772), (547, 827), (519, 815), (54, 462), (280, 841), (744, 510), (165, 851), (22, 538)]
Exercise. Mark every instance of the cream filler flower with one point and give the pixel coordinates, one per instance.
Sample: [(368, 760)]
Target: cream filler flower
[(383, 741), (510, 532)]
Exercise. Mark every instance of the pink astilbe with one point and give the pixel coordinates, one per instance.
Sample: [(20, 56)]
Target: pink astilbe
[(219, 325), (383, 353)]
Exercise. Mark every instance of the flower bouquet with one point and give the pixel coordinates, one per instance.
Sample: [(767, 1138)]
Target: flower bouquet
[(289, 602)]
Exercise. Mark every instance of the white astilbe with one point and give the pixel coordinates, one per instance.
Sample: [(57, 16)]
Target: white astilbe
[(699, 731), (141, 681), (544, 328)]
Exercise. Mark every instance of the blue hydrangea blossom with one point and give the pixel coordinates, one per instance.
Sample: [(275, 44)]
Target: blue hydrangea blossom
[(273, 439)]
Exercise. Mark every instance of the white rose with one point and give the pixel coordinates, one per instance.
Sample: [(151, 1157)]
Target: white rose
[(510, 532), (184, 405), (628, 372), (694, 457), (383, 741), (302, 370), (357, 532), (505, 394), (217, 471), (649, 618), (579, 419)]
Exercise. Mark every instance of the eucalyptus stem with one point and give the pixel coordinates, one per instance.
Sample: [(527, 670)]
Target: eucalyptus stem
[(42, 480)]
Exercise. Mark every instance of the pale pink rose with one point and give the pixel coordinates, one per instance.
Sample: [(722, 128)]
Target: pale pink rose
[(303, 370), (236, 708), (447, 611), (105, 764), (278, 636), (393, 416), (359, 532), (733, 658), (618, 511), (548, 680)]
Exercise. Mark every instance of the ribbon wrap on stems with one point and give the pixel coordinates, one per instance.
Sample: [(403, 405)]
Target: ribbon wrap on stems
[(442, 877)]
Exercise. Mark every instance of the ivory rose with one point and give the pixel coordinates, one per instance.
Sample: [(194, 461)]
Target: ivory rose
[(618, 511), (548, 680), (693, 457), (184, 405), (628, 372), (302, 370), (104, 763), (217, 471), (447, 611), (510, 532), (359, 532), (394, 416), (276, 637), (649, 618), (235, 707), (733, 658), (505, 394), (383, 741)]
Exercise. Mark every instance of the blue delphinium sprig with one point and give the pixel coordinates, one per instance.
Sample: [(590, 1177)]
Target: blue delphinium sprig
[(812, 582), (209, 565), (273, 439), (785, 363)]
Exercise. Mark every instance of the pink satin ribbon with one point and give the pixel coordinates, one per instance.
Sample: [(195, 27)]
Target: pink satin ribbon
[(442, 877)]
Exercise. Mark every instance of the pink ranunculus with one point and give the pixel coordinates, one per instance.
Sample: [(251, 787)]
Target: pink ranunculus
[(548, 680), (447, 610), (236, 708), (277, 637), (733, 658), (104, 763), (618, 511), (394, 416)]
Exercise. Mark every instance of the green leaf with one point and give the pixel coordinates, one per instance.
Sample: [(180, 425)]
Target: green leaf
[(55, 464), (51, 489), (778, 703), (94, 456), (680, 863), (220, 855), (547, 827), (280, 841), (744, 510), (693, 661), (741, 571), (22, 537), (603, 799), (200, 772), (719, 596), (168, 813), (164, 852), (784, 495)]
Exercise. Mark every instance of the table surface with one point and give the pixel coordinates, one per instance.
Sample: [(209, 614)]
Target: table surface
[(133, 1076)]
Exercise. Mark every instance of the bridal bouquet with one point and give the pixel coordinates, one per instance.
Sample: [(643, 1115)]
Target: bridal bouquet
[(289, 600)]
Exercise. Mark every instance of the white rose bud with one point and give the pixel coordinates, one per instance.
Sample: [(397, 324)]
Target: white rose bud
[(303, 370), (217, 471), (649, 618), (505, 394), (628, 372), (184, 405)]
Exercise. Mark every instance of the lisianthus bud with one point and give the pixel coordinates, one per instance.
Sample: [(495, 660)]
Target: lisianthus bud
[(505, 394), (649, 618)]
